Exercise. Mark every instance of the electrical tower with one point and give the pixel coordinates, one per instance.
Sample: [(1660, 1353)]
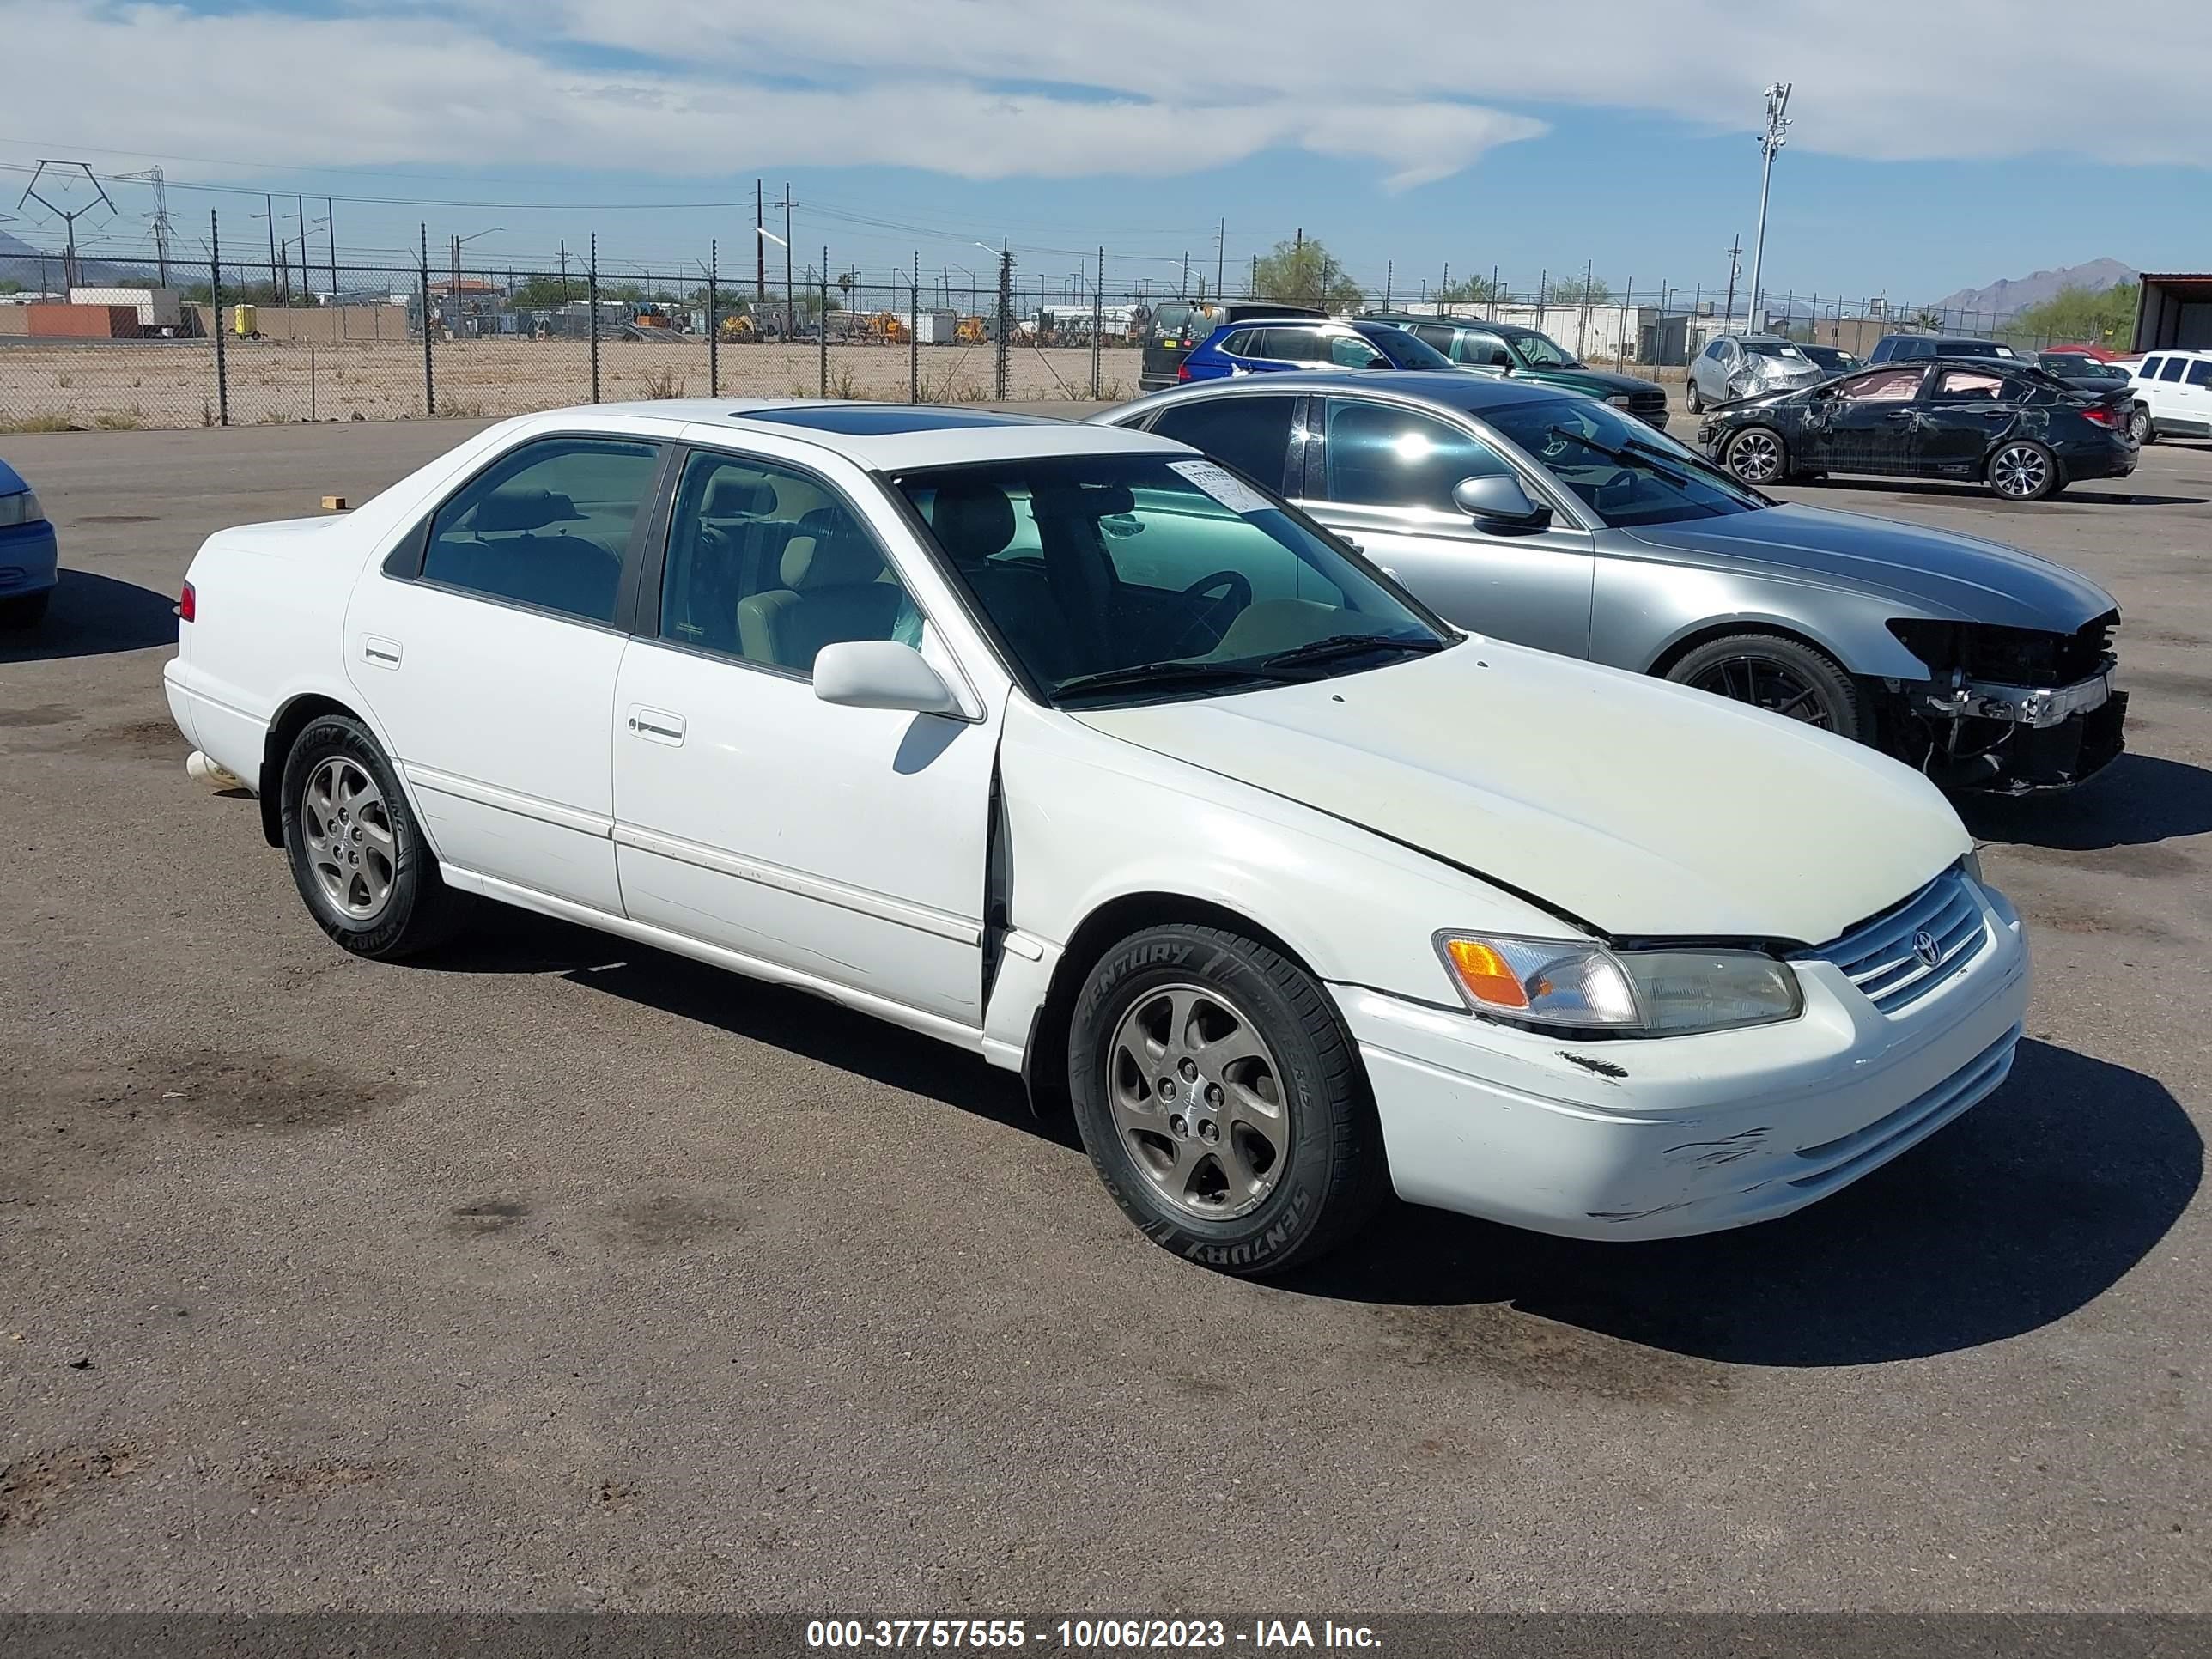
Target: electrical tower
[(161, 231), (63, 184)]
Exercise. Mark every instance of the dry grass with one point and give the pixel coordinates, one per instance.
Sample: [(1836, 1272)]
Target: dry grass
[(64, 384)]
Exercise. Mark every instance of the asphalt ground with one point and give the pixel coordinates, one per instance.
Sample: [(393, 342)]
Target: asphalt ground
[(556, 1274)]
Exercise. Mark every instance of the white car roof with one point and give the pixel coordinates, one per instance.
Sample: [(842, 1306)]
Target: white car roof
[(881, 436)]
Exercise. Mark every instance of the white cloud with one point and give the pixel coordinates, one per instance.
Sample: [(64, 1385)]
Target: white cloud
[(988, 88)]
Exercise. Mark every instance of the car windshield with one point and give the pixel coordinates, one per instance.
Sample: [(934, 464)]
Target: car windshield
[(1403, 349), (1770, 348), (1137, 577), (1542, 351), (1624, 472)]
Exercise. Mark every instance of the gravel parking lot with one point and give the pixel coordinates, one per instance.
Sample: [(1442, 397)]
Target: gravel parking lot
[(556, 1274)]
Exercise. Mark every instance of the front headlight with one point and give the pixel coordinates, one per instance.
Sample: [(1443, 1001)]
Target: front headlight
[(21, 508), (1567, 985)]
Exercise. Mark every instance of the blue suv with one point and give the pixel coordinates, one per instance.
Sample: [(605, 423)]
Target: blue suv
[(1267, 345), (27, 553)]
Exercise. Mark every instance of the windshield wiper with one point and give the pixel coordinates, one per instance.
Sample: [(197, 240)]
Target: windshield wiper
[(1627, 457), (1348, 645), (1694, 460), (1161, 676)]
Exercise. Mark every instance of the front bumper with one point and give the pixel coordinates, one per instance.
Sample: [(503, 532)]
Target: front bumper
[(30, 559), (2022, 739), (1664, 1138)]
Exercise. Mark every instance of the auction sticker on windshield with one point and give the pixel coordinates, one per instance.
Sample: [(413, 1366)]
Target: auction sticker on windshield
[(1224, 486)]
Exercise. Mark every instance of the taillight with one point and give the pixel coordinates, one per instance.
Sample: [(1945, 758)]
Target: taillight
[(2109, 418), (187, 603), (1183, 371)]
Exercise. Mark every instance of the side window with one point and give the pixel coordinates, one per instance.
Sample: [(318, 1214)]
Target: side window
[(1351, 351), (1438, 335), (1716, 350), (1970, 385), (1485, 350), (2200, 372), (545, 526), (2149, 369), (1888, 385), (1296, 345), (768, 565), (2171, 369), (1381, 456), (1252, 435)]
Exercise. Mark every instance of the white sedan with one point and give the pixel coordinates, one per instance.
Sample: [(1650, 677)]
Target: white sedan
[(1068, 746)]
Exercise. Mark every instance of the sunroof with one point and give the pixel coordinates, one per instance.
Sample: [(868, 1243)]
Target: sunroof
[(868, 421)]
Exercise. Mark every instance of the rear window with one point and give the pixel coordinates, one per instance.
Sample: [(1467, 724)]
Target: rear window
[(1182, 322)]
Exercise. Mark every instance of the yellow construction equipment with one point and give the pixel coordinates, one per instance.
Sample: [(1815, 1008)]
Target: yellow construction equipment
[(739, 331), (886, 328), (970, 332)]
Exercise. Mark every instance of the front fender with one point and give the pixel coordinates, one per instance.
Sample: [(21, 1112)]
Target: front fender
[(1647, 611)]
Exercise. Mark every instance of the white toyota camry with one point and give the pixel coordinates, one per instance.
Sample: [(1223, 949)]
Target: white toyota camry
[(1066, 745)]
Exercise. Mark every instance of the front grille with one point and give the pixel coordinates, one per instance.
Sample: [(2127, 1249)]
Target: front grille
[(1881, 958), (1642, 402)]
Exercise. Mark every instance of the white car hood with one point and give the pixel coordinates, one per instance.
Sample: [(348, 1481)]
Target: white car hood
[(1637, 806)]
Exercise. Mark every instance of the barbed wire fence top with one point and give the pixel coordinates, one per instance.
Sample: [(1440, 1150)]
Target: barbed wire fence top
[(257, 340)]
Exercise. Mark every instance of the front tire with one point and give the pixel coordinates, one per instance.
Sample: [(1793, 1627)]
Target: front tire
[(2022, 471), (1757, 456), (1782, 675), (358, 856), (1222, 1102)]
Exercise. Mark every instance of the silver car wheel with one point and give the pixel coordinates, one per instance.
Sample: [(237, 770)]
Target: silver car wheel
[(1755, 457), (2020, 471), (351, 846), (1198, 1100), (2139, 427)]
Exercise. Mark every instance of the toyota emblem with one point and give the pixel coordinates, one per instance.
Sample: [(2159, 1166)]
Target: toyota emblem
[(1925, 947)]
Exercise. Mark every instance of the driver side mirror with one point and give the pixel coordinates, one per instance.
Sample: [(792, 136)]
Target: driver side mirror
[(1500, 500), (881, 674)]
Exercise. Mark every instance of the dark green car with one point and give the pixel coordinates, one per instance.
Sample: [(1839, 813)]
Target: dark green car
[(1526, 354)]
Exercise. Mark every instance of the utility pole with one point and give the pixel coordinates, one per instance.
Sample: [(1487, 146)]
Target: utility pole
[(69, 216), (1183, 292), (822, 323), (790, 322), (331, 222), (713, 333), (1735, 264), (268, 212), (1006, 313), (300, 207), (760, 249), (1220, 254), (161, 228), (1770, 144)]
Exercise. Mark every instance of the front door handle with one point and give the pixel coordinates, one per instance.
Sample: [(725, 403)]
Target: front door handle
[(657, 725)]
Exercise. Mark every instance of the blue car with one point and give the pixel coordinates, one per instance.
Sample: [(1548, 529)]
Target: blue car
[(1267, 345), (29, 559)]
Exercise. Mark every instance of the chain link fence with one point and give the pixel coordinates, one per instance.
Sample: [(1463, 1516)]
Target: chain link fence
[(257, 343)]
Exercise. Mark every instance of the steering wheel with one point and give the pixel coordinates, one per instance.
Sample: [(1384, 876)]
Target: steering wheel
[(1239, 592), (1240, 588)]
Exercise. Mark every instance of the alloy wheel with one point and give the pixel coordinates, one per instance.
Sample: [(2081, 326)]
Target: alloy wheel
[(1756, 457), (1198, 1100), (2020, 471), (1766, 684), (351, 846)]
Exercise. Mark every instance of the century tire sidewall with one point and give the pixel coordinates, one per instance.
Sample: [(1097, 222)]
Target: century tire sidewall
[(1282, 1220), (323, 738)]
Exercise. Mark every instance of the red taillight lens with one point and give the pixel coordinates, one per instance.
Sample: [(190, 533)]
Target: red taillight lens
[(1183, 371), (188, 604), (2103, 417)]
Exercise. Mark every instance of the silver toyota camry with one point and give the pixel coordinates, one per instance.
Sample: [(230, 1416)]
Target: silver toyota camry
[(1551, 518)]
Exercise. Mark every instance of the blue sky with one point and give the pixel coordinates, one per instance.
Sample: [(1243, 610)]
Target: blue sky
[(1626, 139)]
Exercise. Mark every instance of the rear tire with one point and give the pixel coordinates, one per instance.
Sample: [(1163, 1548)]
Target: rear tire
[(2022, 470), (26, 611), (1222, 1102), (2141, 429), (1691, 400), (1781, 675), (358, 856)]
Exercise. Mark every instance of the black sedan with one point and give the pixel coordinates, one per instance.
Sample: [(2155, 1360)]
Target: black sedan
[(2018, 428)]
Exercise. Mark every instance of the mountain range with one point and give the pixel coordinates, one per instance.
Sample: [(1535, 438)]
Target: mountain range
[(29, 266), (2008, 294)]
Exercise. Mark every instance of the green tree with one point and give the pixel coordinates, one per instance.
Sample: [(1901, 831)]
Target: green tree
[(1304, 274), (1473, 291), (2092, 316), (1577, 291)]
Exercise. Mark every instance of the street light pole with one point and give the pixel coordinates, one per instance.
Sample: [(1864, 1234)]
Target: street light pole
[(1769, 143)]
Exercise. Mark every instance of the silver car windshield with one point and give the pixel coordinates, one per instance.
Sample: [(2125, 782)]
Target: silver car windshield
[(1131, 577), (1624, 472)]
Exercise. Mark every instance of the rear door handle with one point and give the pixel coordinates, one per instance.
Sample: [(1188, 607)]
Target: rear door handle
[(383, 652), (657, 725)]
